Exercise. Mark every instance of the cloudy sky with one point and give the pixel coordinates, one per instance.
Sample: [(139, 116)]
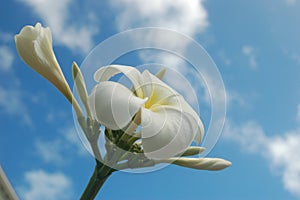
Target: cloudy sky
[(255, 45)]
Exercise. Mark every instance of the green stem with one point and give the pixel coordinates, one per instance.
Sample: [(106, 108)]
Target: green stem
[(100, 175), (103, 171)]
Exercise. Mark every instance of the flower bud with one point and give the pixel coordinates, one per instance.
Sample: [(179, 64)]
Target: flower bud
[(34, 45), (199, 163), (193, 150), (81, 87)]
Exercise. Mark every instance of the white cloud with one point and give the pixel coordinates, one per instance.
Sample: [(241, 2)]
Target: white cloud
[(281, 150), (6, 57), (53, 116), (61, 150), (295, 57), (12, 103), (250, 53), (224, 58), (47, 186), (234, 98), (250, 135), (51, 151), (291, 2), (284, 154), (188, 17), (6, 53), (6, 37), (71, 136), (76, 34)]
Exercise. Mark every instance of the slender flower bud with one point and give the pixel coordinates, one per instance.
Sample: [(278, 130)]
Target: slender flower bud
[(199, 163), (34, 45), (81, 87), (193, 150), (161, 73)]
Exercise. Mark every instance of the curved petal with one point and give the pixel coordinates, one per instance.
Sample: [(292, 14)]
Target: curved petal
[(166, 131), (25, 45), (200, 128), (105, 73), (114, 105), (43, 48), (163, 94), (91, 100), (158, 91), (34, 45)]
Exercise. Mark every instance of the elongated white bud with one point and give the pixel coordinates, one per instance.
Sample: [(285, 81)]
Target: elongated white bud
[(199, 163)]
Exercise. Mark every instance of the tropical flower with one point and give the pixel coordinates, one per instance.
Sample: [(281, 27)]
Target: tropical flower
[(168, 124), (34, 45)]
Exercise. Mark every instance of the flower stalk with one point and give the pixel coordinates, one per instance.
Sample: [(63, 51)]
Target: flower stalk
[(100, 175)]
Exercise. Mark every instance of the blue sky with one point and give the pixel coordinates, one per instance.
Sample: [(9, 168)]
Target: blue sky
[(255, 45)]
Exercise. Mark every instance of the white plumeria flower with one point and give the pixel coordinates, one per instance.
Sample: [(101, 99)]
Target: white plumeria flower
[(168, 123), (34, 45)]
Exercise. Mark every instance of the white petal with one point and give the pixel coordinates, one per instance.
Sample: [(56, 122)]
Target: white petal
[(24, 44), (91, 100), (158, 92), (105, 73), (30, 32), (43, 48), (200, 128), (114, 104), (34, 44), (165, 95), (166, 131)]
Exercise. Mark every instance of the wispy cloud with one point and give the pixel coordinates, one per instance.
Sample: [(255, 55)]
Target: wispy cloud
[(298, 113), (58, 15), (12, 97), (71, 136), (6, 57), (6, 37), (6, 53), (281, 150), (54, 115), (295, 57), (250, 135), (40, 184), (224, 58), (290, 2), (249, 52), (51, 151), (234, 98), (60, 151), (12, 103), (187, 17)]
